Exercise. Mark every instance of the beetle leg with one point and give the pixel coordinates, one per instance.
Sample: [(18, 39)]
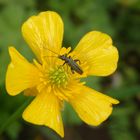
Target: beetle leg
[(72, 70), (77, 60), (64, 63)]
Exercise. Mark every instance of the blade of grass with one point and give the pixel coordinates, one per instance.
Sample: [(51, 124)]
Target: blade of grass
[(15, 115)]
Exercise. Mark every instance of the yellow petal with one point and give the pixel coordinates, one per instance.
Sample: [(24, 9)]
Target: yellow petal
[(45, 110), (20, 73), (92, 106), (44, 31), (97, 50)]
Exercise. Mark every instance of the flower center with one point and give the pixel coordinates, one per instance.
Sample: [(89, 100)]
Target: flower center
[(58, 76)]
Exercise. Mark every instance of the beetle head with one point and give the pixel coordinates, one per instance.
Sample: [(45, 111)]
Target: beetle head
[(62, 57)]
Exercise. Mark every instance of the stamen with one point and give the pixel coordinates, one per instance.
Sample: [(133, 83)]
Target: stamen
[(58, 76)]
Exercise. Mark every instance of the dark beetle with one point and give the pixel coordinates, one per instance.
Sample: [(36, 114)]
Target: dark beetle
[(68, 60), (72, 63)]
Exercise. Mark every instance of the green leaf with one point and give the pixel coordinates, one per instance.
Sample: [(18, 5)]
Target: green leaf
[(120, 125), (69, 116), (13, 129), (137, 121), (124, 93), (92, 82)]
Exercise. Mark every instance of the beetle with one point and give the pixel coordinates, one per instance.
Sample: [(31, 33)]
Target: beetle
[(70, 61)]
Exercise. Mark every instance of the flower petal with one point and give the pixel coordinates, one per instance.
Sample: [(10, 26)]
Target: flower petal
[(20, 74), (97, 50), (44, 31), (45, 110), (92, 106)]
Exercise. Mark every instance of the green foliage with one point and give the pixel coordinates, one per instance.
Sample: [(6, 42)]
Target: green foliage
[(118, 18), (121, 124), (69, 116)]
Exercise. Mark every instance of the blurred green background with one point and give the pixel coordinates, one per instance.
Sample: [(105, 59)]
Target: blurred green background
[(118, 18)]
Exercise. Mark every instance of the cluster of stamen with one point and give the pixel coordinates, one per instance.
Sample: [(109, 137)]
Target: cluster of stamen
[(58, 76)]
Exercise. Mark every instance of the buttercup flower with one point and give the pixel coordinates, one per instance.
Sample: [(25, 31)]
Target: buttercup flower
[(51, 82)]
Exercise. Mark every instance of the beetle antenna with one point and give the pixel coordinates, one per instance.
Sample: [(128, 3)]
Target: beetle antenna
[(50, 56), (51, 51)]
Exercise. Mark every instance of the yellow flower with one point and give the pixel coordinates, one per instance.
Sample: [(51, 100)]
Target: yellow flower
[(51, 82)]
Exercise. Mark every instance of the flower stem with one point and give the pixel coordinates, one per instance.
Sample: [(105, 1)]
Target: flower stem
[(15, 115)]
